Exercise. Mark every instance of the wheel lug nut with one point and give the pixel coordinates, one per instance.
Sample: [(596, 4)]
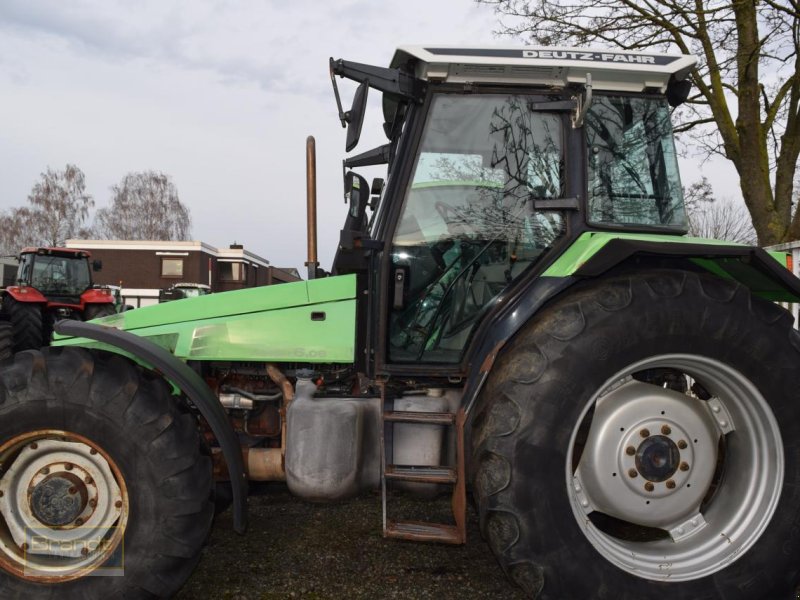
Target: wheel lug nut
[(649, 486), (84, 551), (88, 479), (630, 450), (34, 446), (682, 444), (24, 547), (72, 491), (645, 433), (68, 466), (684, 466), (632, 473), (670, 484), (93, 502), (45, 470), (92, 451), (118, 503), (666, 430)]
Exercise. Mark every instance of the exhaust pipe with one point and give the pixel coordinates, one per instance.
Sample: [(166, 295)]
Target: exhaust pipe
[(311, 205)]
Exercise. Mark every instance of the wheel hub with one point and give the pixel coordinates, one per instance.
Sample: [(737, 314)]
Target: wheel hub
[(649, 457), (657, 458), (59, 499)]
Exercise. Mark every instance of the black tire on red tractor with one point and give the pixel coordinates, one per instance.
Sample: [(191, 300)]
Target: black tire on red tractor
[(108, 474), (6, 340), (26, 322), (97, 311), (639, 439)]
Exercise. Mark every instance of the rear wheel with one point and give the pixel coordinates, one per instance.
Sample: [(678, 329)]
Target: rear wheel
[(102, 475), (6, 340), (97, 311), (639, 439), (26, 323)]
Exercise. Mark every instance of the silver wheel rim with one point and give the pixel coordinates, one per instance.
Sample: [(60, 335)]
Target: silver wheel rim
[(704, 474), (63, 506)]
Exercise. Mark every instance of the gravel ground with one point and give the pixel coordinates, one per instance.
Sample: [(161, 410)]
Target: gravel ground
[(295, 549)]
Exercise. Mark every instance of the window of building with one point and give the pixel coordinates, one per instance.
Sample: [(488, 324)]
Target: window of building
[(232, 271), (172, 267)]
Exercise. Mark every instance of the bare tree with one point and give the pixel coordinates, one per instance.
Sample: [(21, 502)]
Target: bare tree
[(722, 220), (747, 103), (698, 196), (58, 208), (145, 206)]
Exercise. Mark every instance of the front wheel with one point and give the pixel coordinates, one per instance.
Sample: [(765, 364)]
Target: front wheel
[(104, 485), (639, 439)]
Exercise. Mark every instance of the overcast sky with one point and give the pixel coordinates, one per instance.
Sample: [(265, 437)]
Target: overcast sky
[(219, 94)]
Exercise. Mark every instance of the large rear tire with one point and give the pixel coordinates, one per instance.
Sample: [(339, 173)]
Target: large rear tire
[(97, 311), (95, 452), (26, 322), (641, 439)]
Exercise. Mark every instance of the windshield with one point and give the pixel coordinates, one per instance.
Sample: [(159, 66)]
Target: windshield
[(57, 274), (468, 226), (633, 168)]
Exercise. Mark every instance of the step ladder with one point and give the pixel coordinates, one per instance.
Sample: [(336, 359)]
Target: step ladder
[(422, 531)]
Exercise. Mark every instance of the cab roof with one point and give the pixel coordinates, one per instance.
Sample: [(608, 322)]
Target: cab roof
[(611, 70), (64, 252)]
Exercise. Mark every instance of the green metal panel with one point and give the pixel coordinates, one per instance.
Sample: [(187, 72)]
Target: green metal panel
[(589, 243), (272, 323), (761, 284)]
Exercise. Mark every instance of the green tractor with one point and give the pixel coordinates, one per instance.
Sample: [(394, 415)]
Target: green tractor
[(514, 315)]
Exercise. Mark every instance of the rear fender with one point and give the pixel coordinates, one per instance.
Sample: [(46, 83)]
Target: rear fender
[(595, 255), (753, 267), (25, 294), (96, 296), (190, 383)]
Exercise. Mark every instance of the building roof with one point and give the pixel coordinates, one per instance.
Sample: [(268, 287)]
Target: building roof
[(172, 248)]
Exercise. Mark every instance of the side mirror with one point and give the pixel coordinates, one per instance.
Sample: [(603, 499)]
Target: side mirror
[(356, 192), (375, 192), (97, 265), (355, 116), (678, 91)]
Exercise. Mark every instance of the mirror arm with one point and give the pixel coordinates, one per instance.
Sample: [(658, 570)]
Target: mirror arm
[(342, 117), (584, 102), (376, 156), (391, 81)]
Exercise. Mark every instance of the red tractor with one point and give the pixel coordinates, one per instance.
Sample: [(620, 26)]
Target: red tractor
[(52, 284)]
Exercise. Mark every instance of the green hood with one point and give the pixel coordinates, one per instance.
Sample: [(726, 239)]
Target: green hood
[(304, 321)]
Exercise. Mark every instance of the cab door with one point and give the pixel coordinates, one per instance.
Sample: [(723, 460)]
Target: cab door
[(475, 217)]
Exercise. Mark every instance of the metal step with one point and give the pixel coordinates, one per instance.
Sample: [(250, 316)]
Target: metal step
[(429, 418), (419, 531), (421, 474)]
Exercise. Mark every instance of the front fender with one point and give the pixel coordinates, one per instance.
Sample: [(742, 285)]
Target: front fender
[(191, 384)]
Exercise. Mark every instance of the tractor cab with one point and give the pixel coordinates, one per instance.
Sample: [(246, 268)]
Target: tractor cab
[(60, 274), (497, 160)]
